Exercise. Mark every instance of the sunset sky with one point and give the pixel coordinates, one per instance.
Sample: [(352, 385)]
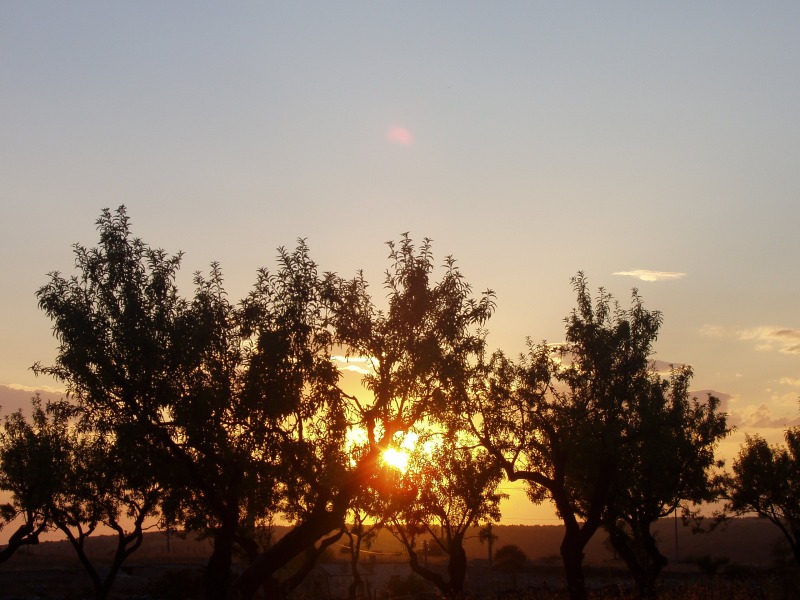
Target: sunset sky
[(650, 146)]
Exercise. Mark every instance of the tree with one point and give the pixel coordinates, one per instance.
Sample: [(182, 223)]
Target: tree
[(418, 350), (454, 488), (242, 400), (239, 400), (668, 463), (556, 419), (106, 481), (75, 479), (509, 559), (766, 480), (33, 454)]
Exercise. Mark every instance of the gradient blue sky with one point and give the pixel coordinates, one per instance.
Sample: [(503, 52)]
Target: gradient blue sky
[(528, 139)]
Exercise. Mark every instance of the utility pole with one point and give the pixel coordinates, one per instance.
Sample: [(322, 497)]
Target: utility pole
[(676, 535)]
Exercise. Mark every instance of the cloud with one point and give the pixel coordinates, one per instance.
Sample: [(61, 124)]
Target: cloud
[(790, 381), (14, 396), (350, 359), (663, 366), (761, 417), (735, 418), (399, 136), (355, 368), (766, 338), (646, 275), (27, 388), (786, 340), (713, 331)]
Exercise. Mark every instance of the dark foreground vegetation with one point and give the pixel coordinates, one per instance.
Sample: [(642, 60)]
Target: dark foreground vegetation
[(148, 577), (221, 417), (742, 559)]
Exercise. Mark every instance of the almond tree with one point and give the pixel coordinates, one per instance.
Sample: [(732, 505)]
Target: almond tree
[(33, 454), (556, 418), (82, 478), (454, 488), (766, 481), (418, 348), (241, 400), (668, 464)]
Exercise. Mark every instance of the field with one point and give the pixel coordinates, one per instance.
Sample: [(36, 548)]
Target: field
[(743, 561)]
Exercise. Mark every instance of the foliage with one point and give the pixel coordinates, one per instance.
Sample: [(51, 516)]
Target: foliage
[(108, 482), (453, 487), (668, 462), (557, 418), (77, 478), (33, 455), (239, 400), (242, 400), (766, 480), (509, 559)]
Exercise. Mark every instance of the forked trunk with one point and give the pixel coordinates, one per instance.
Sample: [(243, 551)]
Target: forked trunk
[(640, 552)]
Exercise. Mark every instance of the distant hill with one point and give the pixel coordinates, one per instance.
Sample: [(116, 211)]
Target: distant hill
[(745, 541)]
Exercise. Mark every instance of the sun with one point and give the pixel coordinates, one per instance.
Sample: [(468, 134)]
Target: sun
[(395, 458)]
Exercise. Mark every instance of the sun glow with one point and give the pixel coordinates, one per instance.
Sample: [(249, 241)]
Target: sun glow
[(395, 458)]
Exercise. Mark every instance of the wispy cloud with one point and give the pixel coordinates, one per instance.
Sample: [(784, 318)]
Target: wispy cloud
[(713, 331), (663, 366), (790, 381), (762, 417), (647, 275), (350, 359), (765, 338), (354, 363), (785, 340), (41, 388)]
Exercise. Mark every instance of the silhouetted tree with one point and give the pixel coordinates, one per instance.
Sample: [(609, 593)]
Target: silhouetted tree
[(242, 400), (557, 418), (509, 559), (33, 455), (417, 351), (766, 480), (82, 477), (365, 518), (455, 488), (668, 462), (105, 483)]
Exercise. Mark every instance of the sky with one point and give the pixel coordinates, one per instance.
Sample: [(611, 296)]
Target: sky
[(649, 145)]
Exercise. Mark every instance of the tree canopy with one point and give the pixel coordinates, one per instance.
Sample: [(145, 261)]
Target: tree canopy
[(766, 481), (220, 416)]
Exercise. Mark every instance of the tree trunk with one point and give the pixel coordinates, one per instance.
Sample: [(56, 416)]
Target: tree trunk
[(427, 574), (656, 562), (23, 536), (218, 570), (640, 552), (355, 551), (572, 555), (457, 569)]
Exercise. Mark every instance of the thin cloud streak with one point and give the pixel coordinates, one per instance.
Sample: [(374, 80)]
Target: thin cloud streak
[(787, 340), (647, 275), (39, 388)]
